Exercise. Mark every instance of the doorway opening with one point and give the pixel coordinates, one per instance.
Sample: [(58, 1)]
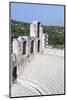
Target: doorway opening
[(38, 29), (24, 47), (38, 48), (32, 46)]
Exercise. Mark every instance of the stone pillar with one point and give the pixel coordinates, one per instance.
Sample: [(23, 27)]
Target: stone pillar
[(27, 46), (15, 46), (41, 39)]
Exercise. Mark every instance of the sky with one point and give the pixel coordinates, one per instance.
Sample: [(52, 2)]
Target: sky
[(46, 14)]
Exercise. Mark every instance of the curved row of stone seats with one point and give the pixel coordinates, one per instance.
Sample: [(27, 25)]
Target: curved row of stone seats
[(54, 51), (23, 63), (23, 88), (44, 75)]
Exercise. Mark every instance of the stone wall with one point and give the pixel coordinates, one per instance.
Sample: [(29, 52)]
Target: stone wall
[(25, 47)]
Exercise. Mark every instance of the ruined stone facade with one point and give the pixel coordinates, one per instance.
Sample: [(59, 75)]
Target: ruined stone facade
[(25, 47)]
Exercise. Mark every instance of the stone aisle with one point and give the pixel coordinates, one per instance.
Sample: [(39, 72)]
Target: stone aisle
[(43, 76)]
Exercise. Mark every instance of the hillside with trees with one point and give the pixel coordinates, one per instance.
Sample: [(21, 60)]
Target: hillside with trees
[(55, 33)]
